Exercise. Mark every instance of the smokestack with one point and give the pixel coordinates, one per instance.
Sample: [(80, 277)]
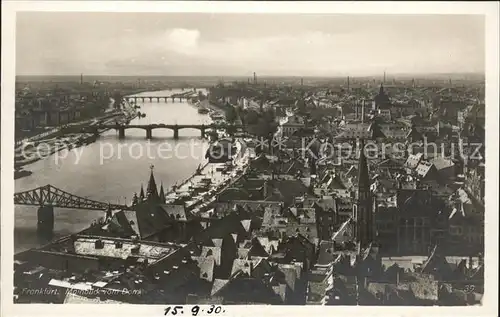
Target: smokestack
[(81, 79), (347, 82), (363, 111), (254, 78), (384, 76)]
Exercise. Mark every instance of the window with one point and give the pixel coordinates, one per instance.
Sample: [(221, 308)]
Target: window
[(99, 244)]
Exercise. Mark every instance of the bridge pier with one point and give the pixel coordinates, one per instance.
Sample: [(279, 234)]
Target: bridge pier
[(121, 133), (173, 99), (150, 99), (158, 99), (202, 130), (176, 134), (45, 224), (149, 133)]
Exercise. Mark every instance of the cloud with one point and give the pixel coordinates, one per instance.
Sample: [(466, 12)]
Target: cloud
[(182, 40), (182, 47)]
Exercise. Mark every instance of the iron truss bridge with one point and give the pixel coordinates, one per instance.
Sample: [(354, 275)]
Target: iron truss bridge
[(49, 195)]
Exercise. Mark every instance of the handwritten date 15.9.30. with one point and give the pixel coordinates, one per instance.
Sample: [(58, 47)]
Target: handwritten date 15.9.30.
[(194, 311)]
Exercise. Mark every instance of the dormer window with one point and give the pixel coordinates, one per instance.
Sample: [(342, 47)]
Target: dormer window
[(118, 244), (99, 244)]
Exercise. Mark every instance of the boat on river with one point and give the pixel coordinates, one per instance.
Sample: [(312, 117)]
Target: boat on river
[(203, 110), (19, 173)]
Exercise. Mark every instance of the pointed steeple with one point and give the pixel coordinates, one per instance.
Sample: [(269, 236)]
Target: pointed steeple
[(141, 194), (381, 90), (363, 177), (363, 205), (152, 190), (162, 194)]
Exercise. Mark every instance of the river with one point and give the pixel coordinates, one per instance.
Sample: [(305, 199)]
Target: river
[(112, 170)]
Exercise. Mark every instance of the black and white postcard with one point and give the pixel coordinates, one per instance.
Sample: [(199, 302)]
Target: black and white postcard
[(244, 158)]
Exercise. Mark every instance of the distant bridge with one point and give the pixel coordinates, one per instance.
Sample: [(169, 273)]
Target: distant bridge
[(180, 97), (149, 128)]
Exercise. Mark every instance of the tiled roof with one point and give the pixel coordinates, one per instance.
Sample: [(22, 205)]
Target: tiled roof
[(281, 291), (290, 274), (206, 265), (108, 247), (212, 252), (326, 255), (218, 286)]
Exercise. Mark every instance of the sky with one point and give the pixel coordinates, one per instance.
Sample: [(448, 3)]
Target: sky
[(203, 44)]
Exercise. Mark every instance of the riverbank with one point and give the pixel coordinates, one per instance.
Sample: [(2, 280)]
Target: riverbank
[(200, 189), (30, 151)]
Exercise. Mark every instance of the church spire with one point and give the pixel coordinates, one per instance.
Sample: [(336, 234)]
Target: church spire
[(363, 177), (363, 205), (162, 194), (152, 190), (141, 194), (381, 90)]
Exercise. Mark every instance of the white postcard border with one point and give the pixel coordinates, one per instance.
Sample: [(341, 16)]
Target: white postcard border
[(489, 9)]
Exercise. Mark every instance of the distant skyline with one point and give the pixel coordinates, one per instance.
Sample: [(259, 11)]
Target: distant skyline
[(201, 44)]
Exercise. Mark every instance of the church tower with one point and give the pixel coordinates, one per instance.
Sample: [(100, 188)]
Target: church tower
[(152, 190), (363, 205)]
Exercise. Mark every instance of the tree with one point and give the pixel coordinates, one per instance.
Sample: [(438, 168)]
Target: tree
[(231, 114), (251, 117)]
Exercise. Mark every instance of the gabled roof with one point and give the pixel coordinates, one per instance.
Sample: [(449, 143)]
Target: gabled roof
[(345, 232), (436, 263), (207, 266)]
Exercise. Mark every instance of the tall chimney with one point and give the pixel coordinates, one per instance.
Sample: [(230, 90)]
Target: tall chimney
[(81, 79), (363, 112), (347, 82), (254, 78), (384, 76)]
